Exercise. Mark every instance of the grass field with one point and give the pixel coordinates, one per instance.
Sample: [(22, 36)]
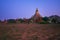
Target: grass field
[(29, 31)]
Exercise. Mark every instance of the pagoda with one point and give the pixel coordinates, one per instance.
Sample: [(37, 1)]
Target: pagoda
[(36, 17)]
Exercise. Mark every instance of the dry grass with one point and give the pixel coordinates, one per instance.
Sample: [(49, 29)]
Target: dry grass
[(29, 31)]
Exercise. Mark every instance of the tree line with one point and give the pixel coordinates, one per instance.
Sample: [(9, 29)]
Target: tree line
[(46, 20)]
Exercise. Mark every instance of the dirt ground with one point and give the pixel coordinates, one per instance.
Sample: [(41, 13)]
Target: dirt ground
[(29, 31)]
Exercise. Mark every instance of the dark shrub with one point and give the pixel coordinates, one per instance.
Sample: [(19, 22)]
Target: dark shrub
[(58, 22), (43, 22), (11, 21), (20, 20), (45, 18), (54, 20)]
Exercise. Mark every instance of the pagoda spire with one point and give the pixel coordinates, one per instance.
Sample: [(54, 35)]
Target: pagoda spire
[(37, 12)]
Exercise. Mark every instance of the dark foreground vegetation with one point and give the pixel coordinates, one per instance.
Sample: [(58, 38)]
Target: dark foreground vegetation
[(29, 31)]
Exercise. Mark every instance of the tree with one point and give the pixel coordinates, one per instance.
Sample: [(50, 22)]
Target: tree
[(54, 20), (45, 19), (20, 20), (11, 21)]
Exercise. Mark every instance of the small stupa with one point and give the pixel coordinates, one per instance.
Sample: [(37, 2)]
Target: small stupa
[(36, 17)]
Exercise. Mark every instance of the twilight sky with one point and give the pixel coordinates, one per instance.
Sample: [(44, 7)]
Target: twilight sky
[(26, 8)]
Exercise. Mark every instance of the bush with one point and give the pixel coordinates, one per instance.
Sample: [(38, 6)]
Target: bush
[(11, 21), (43, 22), (45, 18), (20, 20)]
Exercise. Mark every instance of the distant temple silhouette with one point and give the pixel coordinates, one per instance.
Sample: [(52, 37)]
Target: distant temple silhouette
[(36, 17)]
